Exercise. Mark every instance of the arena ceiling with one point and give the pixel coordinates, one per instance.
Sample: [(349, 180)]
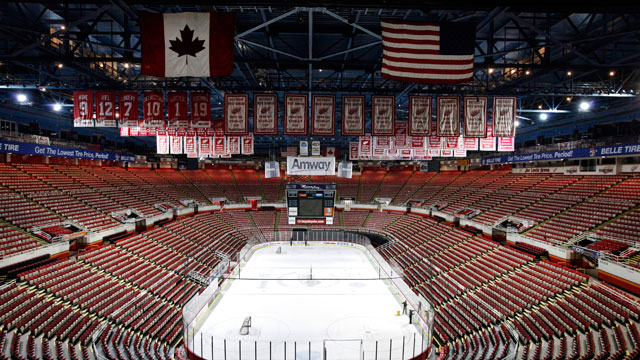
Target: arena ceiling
[(547, 56)]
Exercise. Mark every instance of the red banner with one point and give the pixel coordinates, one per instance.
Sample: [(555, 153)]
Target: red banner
[(400, 140), (446, 153), (433, 152), (488, 143), (382, 142), (471, 143), (354, 150), (265, 114), (434, 141), (133, 131), (417, 142), (236, 114), (234, 145), (128, 109), (83, 108), (383, 115), (506, 144), (295, 114), (323, 115), (450, 142), (176, 145), (200, 110), (153, 104), (365, 150), (504, 116), (448, 116), (178, 107), (190, 147), (204, 146), (475, 116), (162, 144), (219, 145), (419, 115), (151, 132), (247, 145), (353, 115), (124, 131), (106, 109)]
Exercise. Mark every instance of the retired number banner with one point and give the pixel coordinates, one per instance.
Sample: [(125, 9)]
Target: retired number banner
[(323, 115), (448, 116), (504, 116), (200, 110), (177, 103), (419, 115), (475, 116), (295, 114), (353, 115), (106, 109), (383, 113), (236, 114), (83, 108), (265, 114), (128, 109), (153, 104)]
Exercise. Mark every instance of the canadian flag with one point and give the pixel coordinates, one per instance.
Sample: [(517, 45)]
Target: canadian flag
[(198, 44)]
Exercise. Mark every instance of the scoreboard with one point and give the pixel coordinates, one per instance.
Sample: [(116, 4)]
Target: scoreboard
[(309, 204)]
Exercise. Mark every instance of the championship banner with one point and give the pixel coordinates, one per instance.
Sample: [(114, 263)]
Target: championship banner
[(446, 153), (162, 144), (417, 142), (83, 109), (392, 153), (406, 154), (204, 146), (247, 145), (124, 131), (236, 114), (383, 114), (151, 132), (295, 114), (504, 116), (106, 109), (219, 146), (470, 143), (475, 116), (176, 145), (382, 142), (311, 165), (128, 109), (142, 131), (354, 150), (450, 142), (152, 105), (200, 110), (461, 153), (133, 131), (365, 149), (506, 143), (448, 116), (400, 140), (419, 115), (265, 114), (419, 154), (234, 145), (433, 152), (379, 154), (488, 143), (353, 115), (190, 147), (177, 112), (323, 115)]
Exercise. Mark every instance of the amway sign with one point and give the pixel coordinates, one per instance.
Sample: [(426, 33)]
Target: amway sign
[(311, 166)]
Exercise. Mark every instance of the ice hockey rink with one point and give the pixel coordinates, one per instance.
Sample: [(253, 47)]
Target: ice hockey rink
[(308, 302)]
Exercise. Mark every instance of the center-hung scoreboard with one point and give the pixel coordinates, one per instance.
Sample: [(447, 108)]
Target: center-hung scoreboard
[(309, 204)]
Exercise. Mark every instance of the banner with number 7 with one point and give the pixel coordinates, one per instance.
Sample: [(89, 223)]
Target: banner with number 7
[(128, 109)]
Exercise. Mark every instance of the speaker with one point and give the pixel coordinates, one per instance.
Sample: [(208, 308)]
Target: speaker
[(271, 169), (345, 169), (433, 166)]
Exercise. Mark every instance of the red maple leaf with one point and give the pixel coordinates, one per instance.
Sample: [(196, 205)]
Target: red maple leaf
[(186, 45)]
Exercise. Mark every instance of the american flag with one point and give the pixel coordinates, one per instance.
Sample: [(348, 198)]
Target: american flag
[(428, 52)]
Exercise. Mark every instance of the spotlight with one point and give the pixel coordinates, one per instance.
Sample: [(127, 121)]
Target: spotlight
[(62, 27), (516, 123), (527, 72), (22, 98), (568, 98), (544, 116), (611, 73), (60, 65), (490, 70), (569, 73), (126, 65), (584, 106), (43, 89), (320, 70), (57, 107), (300, 18), (539, 107)]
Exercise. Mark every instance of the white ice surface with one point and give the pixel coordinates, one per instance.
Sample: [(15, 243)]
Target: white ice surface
[(305, 296)]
